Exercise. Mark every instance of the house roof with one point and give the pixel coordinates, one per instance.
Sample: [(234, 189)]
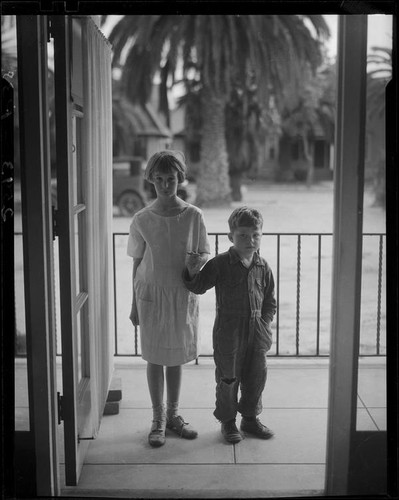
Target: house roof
[(143, 119)]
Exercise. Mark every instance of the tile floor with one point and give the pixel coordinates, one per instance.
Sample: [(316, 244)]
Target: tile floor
[(120, 463)]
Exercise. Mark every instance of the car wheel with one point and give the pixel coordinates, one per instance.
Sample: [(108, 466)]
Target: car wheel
[(129, 203)]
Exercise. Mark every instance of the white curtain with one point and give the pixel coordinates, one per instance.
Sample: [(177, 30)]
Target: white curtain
[(97, 151)]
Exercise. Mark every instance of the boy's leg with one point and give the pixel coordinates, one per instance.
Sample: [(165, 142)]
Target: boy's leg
[(229, 344), (226, 397), (254, 376), (174, 421), (253, 381), (226, 388), (226, 406)]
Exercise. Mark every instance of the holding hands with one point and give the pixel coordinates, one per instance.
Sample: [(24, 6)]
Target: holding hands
[(194, 262)]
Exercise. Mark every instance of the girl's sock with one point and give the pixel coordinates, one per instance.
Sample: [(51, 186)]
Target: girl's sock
[(171, 409), (158, 413)]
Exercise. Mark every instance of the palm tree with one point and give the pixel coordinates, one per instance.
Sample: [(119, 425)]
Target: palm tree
[(218, 51), (247, 125), (312, 108), (378, 75)]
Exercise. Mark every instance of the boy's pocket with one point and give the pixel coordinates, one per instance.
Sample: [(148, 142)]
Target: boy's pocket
[(264, 335)]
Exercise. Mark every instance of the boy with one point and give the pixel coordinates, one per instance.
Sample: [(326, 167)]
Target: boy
[(245, 307)]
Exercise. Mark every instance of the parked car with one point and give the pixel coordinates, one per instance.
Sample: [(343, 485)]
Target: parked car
[(129, 193)]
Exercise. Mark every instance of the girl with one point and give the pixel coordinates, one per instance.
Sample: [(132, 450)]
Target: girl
[(161, 235)]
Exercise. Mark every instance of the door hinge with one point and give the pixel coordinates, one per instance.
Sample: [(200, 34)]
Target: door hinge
[(60, 404), (55, 224)]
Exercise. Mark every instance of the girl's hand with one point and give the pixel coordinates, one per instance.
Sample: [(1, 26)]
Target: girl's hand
[(134, 315), (194, 262)]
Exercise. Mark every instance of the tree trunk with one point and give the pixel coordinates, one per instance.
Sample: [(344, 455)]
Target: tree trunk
[(309, 160), (235, 183), (213, 186), (284, 171)]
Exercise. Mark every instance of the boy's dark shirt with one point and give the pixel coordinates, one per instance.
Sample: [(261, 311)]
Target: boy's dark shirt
[(241, 292)]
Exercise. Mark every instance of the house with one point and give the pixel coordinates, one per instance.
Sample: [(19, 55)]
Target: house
[(138, 129)]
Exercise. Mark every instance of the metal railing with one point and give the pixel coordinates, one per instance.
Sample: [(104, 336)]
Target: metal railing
[(302, 265)]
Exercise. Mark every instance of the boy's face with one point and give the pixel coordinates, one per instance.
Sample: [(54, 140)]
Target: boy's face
[(246, 240)]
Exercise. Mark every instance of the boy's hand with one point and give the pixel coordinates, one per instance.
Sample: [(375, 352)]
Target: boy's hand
[(194, 262)]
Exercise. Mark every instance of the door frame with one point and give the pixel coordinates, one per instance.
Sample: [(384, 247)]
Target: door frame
[(342, 471), (32, 37)]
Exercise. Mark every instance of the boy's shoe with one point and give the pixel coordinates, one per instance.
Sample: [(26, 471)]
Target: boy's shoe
[(156, 437), (256, 428), (230, 432), (180, 427)]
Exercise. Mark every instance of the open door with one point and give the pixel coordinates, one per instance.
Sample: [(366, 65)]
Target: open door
[(356, 461), (83, 230)]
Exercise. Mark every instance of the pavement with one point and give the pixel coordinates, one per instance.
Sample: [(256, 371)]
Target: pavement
[(120, 462)]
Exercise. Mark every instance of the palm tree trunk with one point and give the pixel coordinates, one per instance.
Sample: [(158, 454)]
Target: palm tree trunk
[(308, 160), (213, 180)]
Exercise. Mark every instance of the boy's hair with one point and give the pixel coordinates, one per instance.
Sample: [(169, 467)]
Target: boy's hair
[(164, 162), (245, 216)]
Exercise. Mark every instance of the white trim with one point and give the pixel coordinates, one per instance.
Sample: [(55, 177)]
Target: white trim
[(347, 249)]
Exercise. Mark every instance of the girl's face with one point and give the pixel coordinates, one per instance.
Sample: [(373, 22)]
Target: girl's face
[(165, 183)]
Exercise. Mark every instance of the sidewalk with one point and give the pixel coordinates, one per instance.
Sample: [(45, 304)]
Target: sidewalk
[(120, 463)]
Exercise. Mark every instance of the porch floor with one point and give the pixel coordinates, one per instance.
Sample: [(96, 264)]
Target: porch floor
[(120, 463)]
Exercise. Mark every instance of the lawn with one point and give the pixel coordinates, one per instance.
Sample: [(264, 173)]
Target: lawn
[(287, 208)]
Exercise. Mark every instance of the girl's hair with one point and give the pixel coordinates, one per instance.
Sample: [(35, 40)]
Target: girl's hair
[(166, 161), (244, 216)]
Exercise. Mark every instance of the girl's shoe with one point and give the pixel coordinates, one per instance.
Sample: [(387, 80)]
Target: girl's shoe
[(180, 427), (156, 437)]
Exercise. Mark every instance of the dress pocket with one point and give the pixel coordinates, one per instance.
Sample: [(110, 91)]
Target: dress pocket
[(143, 292), (192, 309)]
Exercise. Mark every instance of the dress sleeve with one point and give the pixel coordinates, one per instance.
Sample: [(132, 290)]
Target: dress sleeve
[(136, 242), (203, 243)]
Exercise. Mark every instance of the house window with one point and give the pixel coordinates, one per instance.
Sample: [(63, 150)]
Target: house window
[(140, 147), (319, 153), (296, 149), (272, 153), (194, 151)]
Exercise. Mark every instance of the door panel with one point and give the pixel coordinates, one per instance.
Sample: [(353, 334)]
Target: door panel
[(83, 107), (73, 256), (83, 110)]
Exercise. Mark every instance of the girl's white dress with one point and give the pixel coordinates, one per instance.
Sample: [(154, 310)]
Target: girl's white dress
[(168, 312)]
